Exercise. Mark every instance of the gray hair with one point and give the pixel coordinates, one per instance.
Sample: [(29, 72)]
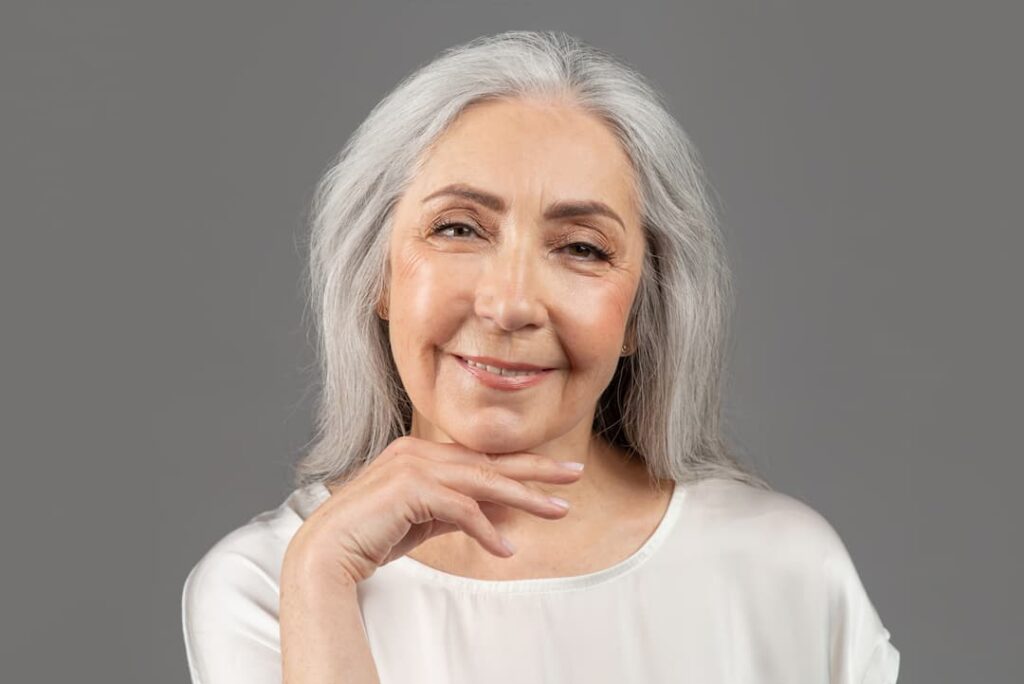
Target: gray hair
[(663, 402)]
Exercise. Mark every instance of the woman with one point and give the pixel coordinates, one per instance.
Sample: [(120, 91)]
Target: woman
[(515, 266)]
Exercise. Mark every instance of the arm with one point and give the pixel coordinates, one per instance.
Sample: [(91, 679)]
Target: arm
[(231, 635), (322, 634), (862, 652)]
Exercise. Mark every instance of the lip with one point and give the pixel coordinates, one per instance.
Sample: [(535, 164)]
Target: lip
[(498, 363), (501, 382)]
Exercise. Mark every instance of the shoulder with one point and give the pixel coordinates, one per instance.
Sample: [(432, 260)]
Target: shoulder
[(743, 519), (230, 597), (768, 539), (256, 547), (250, 555)]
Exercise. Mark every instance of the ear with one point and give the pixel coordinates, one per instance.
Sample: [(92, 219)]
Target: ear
[(382, 303), (629, 340), (384, 297)]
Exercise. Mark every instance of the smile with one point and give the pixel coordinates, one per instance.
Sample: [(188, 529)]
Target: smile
[(500, 378)]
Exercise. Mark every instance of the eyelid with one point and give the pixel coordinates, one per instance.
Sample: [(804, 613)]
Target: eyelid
[(477, 224), (448, 222), (602, 253), (447, 219)]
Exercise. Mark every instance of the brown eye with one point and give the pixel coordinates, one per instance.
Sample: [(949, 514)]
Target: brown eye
[(591, 250), (445, 225)]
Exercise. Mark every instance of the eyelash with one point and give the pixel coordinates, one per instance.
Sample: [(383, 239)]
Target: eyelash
[(601, 254)]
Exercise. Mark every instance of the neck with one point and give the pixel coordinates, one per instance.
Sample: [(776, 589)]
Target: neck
[(615, 488)]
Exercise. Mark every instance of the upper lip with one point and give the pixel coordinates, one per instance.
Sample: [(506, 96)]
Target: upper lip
[(498, 363)]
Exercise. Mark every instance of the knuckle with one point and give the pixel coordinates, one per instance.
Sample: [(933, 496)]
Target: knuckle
[(542, 461), (404, 455), (401, 445), (392, 451), (467, 506), (528, 492), (455, 504), (487, 476)]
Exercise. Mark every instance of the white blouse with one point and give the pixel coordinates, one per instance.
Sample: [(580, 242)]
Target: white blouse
[(736, 584)]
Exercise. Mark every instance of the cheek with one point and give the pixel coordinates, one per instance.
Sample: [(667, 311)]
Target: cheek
[(594, 324), (423, 302), (418, 283)]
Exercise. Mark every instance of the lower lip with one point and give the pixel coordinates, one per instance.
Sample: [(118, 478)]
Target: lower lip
[(503, 382)]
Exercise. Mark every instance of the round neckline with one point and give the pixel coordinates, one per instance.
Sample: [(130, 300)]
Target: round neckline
[(549, 584)]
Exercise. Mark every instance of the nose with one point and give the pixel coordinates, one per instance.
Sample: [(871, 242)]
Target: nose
[(509, 291)]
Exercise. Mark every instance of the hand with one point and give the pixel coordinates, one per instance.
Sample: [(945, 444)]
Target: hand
[(414, 490)]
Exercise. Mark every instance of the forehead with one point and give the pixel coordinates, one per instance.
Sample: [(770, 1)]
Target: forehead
[(521, 148)]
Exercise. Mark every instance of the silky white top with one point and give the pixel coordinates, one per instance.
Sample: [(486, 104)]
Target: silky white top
[(736, 584)]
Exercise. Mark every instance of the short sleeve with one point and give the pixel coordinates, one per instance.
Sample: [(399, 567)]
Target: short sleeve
[(229, 618), (860, 648), (883, 666)]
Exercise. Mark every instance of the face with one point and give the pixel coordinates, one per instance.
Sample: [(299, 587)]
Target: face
[(493, 268)]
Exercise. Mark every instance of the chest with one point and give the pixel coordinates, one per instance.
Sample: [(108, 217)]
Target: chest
[(649, 625)]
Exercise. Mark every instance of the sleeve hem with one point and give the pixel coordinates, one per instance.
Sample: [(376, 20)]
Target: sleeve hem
[(883, 665)]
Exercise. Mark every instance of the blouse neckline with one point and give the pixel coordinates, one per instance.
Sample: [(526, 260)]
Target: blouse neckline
[(545, 584)]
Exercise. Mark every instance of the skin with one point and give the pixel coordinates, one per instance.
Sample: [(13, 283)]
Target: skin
[(514, 285)]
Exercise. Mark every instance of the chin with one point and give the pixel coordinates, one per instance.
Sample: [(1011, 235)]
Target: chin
[(489, 439)]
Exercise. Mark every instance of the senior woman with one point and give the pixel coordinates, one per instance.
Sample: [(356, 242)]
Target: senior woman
[(515, 268)]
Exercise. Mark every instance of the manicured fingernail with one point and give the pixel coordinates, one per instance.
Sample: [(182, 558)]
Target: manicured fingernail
[(571, 465), (508, 545), (558, 502)]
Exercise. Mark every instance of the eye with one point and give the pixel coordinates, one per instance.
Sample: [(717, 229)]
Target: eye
[(600, 254), (445, 225), (591, 252)]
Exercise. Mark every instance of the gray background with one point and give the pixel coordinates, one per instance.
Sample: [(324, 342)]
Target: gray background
[(158, 160)]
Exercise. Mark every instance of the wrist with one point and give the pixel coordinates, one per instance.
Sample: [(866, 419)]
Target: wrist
[(305, 569)]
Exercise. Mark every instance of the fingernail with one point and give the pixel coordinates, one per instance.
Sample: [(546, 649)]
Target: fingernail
[(558, 502), (571, 465), (508, 545)]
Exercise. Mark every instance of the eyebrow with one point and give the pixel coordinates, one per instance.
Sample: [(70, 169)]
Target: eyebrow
[(557, 210)]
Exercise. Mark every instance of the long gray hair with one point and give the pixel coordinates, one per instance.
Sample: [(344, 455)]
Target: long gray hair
[(663, 402)]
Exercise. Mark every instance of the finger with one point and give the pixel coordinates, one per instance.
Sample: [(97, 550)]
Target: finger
[(533, 467), (484, 483), (449, 506)]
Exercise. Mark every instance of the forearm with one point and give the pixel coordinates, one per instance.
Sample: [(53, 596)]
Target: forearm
[(322, 636)]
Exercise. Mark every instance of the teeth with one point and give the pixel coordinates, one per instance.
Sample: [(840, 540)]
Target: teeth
[(500, 371)]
